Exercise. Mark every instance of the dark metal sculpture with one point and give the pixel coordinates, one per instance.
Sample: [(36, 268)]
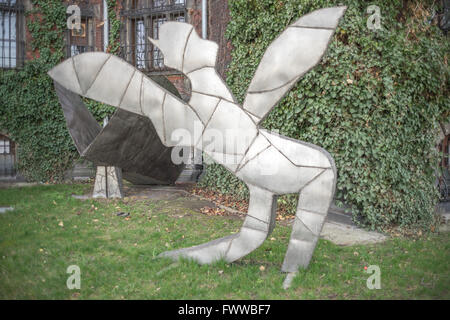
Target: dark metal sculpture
[(129, 140)]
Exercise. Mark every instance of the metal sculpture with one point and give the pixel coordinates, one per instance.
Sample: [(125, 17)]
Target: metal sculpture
[(270, 164), (128, 141)]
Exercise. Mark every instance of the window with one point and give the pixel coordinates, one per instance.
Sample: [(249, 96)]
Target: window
[(142, 19), (80, 40), (7, 158), (11, 34), (4, 147), (444, 148), (83, 39)]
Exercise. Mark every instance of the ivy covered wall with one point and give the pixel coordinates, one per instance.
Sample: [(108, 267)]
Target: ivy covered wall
[(374, 102), (29, 109)]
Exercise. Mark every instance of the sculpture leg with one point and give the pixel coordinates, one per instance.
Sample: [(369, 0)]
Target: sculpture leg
[(312, 209), (108, 182), (258, 224)]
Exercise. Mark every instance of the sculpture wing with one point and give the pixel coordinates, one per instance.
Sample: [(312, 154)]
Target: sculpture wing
[(296, 51), (106, 78)]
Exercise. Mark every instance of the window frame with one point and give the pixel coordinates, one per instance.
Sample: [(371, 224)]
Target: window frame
[(135, 11), (88, 20), (12, 7)]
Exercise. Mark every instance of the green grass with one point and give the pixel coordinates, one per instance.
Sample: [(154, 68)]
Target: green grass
[(116, 256)]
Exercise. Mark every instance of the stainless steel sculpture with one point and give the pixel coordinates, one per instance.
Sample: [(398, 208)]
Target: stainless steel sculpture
[(268, 163), (129, 141)]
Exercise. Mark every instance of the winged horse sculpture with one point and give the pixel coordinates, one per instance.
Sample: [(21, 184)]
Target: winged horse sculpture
[(268, 163)]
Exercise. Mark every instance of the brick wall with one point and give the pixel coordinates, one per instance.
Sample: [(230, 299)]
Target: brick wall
[(29, 54), (95, 7), (194, 14), (218, 18)]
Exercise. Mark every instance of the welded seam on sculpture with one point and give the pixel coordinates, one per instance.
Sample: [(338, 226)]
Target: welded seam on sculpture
[(126, 88), (240, 165), (299, 142), (140, 94), (304, 224), (287, 83), (163, 118), (184, 50), (96, 75), (199, 141), (76, 74)]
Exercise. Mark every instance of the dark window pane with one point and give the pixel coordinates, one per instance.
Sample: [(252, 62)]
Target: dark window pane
[(143, 19), (10, 42)]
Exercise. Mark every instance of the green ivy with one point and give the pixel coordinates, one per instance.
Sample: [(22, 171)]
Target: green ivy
[(114, 26), (100, 110), (29, 108), (374, 103)]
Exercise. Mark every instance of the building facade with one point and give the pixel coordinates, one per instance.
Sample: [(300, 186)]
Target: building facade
[(139, 19)]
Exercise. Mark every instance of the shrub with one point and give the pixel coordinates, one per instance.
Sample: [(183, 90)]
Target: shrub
[(374, 103)]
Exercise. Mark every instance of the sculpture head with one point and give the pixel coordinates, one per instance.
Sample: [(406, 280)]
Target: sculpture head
[(183, 49)]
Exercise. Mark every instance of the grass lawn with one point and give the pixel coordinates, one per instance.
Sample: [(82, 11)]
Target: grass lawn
[(49, 231)]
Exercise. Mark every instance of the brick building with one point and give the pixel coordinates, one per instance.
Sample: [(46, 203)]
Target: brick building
[(139, 20)]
